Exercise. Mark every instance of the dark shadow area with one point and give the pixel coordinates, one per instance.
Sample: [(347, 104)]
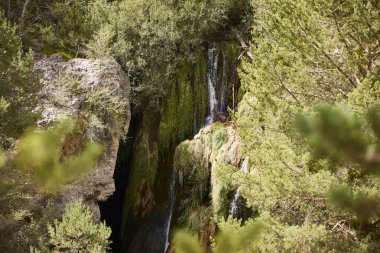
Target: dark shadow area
[(112, 210)]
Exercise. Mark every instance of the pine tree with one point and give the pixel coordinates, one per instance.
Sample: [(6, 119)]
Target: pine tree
[(307, 52), (77, 232), (18, 84)]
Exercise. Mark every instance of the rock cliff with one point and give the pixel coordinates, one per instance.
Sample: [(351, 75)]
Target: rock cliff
[(66, 88)]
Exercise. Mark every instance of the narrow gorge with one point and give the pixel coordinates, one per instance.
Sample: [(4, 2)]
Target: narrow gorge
[(148, 197)]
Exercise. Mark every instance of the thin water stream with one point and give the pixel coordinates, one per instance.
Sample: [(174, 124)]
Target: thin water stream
[(152, 233), (237, 208), (212, 81), (215, 107)]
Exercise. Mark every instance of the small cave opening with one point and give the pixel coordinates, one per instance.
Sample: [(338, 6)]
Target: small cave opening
[(111, 211)]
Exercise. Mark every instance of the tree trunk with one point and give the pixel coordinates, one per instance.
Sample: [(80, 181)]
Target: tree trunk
[(9, 14), (23, 13)]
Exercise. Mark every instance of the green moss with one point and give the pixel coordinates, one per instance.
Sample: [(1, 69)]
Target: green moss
[(177, 114), (183, 157), (189, 158), (185, 106), (231, 50), (182, 112), (144, 168), (219, 137), (139, 198), (200, 90), (222, 174), (50, 51)]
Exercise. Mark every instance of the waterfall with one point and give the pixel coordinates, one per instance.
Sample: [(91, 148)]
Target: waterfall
[(237, 205), (212, 56), (224, 85), (212, 80), (173, 192), (217, 104)]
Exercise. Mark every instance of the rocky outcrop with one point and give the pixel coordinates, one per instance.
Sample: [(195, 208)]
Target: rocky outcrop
[(66, 88), (213, 147), (203, 164)]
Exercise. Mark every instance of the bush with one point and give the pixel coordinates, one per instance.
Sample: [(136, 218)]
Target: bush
[(18, 83), (77, 232)]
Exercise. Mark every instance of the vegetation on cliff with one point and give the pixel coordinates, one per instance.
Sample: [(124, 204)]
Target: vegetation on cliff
[(313, 166), (306, 123), (307, 53)]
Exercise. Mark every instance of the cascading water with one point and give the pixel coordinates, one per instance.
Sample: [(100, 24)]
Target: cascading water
[(153, 235), (223, 89), (147, 218), (237, 208), (212, 84), (173, 191), (212, 80)]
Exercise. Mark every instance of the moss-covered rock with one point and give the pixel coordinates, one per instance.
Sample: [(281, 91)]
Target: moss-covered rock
[(159, 133), (181, 114), (201, 163)]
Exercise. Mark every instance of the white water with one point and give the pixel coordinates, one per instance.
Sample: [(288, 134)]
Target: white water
[(214, 108), (224, 85), (236, 202), (169, 220), (212, 55)]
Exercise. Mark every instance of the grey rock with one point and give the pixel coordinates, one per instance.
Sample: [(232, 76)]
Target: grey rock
[(57, 102)]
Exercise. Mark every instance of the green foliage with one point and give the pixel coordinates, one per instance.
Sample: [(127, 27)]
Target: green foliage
[(340, 136), (153, 39), (59, 26), (77, 232), (41, 154), (2, 158), (185, 242), (238, 240), (73, 27), (352, 143), (362, 204), (232, 238), (307, 52), (46, 159), (18, 84), (219, 137), (102, 102), (305, 238)]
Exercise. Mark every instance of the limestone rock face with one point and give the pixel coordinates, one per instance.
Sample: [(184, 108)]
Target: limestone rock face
[(214, 146), (58, 98), (65, 87), (219, 144), (199, 163)]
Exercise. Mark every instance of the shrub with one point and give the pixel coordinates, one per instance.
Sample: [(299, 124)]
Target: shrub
[(77, 232)]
